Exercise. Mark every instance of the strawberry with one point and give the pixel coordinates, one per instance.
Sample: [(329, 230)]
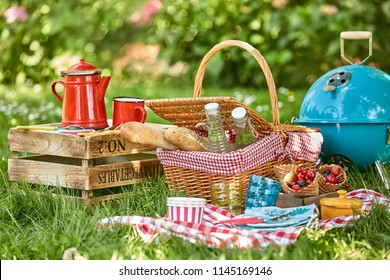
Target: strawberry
[(336, 169)]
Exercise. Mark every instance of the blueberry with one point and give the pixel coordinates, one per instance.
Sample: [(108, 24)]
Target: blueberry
[(301, 183)]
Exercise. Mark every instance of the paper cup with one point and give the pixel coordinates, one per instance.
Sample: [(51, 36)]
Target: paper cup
[(186, 209)]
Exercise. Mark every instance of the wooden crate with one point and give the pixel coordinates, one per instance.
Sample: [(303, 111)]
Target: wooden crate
[(285, 200), (88, 164)]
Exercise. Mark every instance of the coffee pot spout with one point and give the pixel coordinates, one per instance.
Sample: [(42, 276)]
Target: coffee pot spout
[(103, 83)]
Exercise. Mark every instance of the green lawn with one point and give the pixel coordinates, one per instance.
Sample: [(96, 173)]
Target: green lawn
[(35, 225)]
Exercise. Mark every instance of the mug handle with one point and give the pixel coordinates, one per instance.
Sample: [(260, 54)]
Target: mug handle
[(53, 90), (142, 115)]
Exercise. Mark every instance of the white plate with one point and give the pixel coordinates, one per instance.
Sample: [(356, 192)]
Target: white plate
[(297, 215)]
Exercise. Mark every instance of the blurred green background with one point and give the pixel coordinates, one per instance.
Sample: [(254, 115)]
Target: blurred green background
[(299, 39)]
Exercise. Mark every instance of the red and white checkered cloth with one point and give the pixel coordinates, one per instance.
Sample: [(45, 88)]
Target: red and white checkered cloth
[(213, 234), (300, 146), (303, 146)]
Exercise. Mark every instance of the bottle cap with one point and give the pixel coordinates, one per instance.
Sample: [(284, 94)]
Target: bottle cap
[(212, 107), (239, 113)]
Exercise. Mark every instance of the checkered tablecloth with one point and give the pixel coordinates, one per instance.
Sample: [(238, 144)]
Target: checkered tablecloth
[(300, 146), (213, 234)]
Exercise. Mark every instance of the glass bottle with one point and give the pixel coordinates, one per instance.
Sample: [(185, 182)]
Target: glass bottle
[(245, 134), (217, 141)]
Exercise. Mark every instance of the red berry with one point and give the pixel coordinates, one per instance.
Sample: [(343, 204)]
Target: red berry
[(296, 187), (331, 179), (347, 185), (311, 174), (340, 179), (309, 181)]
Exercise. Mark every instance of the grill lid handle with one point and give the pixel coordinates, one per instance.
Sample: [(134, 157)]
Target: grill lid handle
[(356, 35)]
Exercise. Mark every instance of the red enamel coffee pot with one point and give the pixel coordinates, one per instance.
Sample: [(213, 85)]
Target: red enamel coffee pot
[(83, 100)]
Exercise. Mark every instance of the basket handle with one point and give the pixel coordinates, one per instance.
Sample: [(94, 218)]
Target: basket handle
[(260, 60)]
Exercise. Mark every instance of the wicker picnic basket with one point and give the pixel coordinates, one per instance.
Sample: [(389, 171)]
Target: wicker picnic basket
[(188, 112)]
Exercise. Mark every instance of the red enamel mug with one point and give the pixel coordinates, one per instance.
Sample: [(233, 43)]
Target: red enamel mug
[(128, 109)]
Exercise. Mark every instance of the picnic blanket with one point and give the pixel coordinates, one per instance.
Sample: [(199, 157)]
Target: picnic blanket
[(214, 234)]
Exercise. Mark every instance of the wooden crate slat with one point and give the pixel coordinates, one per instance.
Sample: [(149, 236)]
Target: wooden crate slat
[(47, 172), (127, 173), (69, 172), (109, 145), (39, 142)]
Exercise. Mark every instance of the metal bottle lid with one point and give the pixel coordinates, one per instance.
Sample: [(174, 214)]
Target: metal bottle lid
[(239, 113), (211, 108)]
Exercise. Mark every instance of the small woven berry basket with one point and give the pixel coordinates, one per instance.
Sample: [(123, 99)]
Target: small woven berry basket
[(325, 186), (309, 190), (278, 143)]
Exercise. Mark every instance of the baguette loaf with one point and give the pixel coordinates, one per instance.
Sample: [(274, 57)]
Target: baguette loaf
[(186, 139), (140, 133)]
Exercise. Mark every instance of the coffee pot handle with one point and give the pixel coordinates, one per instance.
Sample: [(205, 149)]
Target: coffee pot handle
[(143, 114), (53, 90)]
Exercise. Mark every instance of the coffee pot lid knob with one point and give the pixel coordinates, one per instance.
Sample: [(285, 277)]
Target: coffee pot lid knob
[(81, 68)]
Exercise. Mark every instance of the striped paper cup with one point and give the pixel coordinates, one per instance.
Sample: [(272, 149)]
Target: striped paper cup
[(186, 209)]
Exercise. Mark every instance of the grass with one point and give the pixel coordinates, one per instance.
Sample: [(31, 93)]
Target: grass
[(34, 225)]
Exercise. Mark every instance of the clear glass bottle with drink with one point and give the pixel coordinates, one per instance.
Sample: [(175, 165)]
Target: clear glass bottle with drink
[(245, 133), (217, 141)]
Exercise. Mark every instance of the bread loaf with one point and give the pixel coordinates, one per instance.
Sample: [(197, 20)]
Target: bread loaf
[(186, 139), (141, 133)]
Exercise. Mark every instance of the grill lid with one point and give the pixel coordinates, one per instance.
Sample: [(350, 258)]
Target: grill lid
[(353, 93)]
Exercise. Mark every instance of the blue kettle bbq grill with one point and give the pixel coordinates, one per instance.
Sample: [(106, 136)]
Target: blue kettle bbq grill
[(351, 107)]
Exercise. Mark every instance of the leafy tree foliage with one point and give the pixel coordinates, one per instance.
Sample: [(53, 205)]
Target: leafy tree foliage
[(299, 39), (92, 29)]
